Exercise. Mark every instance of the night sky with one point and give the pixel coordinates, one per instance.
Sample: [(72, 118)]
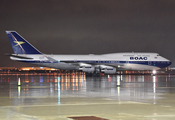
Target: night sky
[(89, 26)]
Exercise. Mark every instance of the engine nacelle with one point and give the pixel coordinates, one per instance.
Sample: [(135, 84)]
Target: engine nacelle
[(89, 69), (108, 69)]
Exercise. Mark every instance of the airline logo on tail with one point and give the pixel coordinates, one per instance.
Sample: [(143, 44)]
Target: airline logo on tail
[(18, 43)]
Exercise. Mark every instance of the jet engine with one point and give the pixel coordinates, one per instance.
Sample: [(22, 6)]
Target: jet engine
[(108, 69), (87, 68)]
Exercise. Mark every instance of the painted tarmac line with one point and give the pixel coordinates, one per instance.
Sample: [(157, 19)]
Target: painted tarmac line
[(32, 97), (160, 116), (56, 105), (166, 106), (165, 87)]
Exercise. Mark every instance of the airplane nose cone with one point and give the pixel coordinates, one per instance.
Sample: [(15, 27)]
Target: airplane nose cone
[(170, 62), (165, 64)]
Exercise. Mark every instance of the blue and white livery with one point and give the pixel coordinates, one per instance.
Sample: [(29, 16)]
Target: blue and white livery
[(106, 63)]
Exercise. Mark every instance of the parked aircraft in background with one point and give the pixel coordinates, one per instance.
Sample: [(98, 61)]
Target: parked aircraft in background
[(106, 63)]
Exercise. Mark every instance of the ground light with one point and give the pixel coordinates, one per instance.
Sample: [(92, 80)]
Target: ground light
[(19, 82), (154, 71)]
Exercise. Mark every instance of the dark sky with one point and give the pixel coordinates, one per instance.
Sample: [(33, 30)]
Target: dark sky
[(89, 26)]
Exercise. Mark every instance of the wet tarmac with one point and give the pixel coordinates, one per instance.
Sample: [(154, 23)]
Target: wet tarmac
[(64, 97)]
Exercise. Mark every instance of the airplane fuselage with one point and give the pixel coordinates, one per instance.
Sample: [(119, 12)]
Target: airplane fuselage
[(128, 61)]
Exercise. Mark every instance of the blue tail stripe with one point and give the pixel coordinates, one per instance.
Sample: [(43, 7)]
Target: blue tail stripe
[(20, 45)]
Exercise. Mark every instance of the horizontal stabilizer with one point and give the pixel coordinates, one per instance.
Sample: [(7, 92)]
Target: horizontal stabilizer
[(17, 56)]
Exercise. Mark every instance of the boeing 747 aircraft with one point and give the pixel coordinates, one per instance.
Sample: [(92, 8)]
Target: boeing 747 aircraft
[(106, 63)]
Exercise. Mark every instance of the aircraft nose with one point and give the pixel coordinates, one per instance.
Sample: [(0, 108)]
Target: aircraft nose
[(170, 62)]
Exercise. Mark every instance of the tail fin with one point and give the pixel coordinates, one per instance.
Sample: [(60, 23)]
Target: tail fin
[(20, 45)]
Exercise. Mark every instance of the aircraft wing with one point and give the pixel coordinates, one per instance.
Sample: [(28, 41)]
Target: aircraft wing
[(51, 59), (81, 64)]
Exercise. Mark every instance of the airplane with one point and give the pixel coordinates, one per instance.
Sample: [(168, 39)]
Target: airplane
[(104, 63)]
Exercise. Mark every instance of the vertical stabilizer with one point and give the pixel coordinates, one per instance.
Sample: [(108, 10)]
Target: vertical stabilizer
[(20, 45)]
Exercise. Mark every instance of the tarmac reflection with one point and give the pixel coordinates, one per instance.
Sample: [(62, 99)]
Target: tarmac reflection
[(61, 96), (116, 87)]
